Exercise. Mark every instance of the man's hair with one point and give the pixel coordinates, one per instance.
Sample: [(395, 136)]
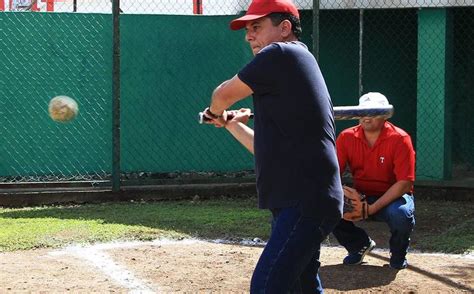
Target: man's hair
[(278, 17)]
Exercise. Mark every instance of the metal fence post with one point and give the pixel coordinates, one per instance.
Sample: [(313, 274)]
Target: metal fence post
[(361, 50), (316, 29), (116, 96)]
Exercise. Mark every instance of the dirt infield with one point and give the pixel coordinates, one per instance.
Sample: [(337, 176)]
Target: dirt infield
[(199, 266)]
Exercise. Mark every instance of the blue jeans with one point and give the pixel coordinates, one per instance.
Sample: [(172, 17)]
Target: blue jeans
[(290, 260), (400, 217)]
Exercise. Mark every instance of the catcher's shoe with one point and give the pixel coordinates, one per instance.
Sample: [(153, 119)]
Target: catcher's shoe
[(357, 257), (398, 263)]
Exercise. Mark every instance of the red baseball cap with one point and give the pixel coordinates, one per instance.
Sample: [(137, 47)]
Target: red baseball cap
[(261, 8)]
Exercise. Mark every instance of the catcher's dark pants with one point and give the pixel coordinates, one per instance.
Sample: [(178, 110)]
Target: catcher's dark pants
[(400, 217), (290, 260)]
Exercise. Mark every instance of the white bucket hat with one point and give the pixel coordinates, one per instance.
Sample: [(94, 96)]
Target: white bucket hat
[(373, 99)]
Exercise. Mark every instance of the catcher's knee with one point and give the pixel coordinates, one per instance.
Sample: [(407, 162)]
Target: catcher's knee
[(404, 208), (400, 220)]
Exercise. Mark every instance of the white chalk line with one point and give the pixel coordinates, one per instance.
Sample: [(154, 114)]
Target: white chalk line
[(95, 255)]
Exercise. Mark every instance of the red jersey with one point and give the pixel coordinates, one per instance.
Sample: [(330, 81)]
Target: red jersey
[(375, 169)]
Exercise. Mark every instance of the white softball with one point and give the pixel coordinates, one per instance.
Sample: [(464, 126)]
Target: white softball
[(63, 108)]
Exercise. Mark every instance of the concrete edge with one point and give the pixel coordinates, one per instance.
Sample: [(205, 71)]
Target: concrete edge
[(80, 195), (137, 193)]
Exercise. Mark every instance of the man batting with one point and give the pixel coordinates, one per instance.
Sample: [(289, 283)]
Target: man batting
[(293, 142)]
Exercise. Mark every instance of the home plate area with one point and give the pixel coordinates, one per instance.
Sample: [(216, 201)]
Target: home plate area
[(167, 266)]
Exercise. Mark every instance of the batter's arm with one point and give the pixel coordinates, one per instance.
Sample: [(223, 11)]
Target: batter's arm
[(226, 94), (242, 133)]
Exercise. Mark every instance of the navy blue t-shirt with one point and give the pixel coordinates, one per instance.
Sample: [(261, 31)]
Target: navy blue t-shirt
[(294, 143)]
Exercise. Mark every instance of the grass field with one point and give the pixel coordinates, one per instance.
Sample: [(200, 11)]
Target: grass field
[(441, 226)]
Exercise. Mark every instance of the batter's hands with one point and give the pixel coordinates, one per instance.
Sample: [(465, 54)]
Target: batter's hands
[(218, 121), (242, 115)]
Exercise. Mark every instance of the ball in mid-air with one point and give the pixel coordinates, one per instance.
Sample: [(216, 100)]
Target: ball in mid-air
[(63, 108)]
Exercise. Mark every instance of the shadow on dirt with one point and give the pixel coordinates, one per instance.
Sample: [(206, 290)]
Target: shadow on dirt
[(348, 278), (333, 275), (459, 272)]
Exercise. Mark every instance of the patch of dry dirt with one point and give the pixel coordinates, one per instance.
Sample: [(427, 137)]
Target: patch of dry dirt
[(209, 267)]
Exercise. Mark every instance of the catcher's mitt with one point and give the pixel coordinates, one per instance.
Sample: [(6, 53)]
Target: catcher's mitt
[(355, 208)]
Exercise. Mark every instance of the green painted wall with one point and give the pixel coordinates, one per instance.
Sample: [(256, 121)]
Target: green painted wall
[(43, 55), (434, 97), (389, 62), (339, 57), (170, 65), (462, 88)]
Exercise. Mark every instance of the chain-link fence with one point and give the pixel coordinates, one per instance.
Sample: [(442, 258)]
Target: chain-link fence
[(174, 53), (462, 90), (44, 55)]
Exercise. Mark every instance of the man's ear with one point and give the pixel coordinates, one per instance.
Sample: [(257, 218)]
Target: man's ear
[(286, 28)]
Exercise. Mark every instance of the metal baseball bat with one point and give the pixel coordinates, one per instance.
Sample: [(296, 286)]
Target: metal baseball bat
[(343, 112), (357, 112)]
